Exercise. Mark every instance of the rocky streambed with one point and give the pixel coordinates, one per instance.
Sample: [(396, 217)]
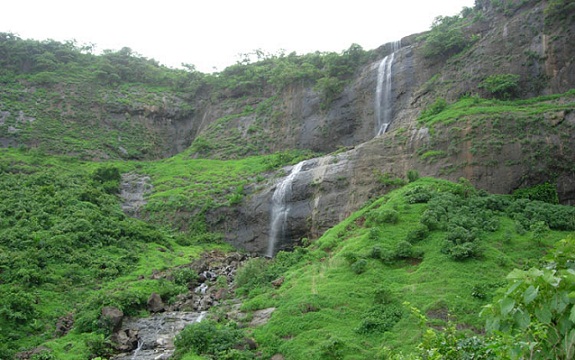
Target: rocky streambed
[(152, 338)]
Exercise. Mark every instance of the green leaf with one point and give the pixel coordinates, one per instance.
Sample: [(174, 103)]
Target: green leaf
[(559, 302), (572, 315), (492, 324), (543, 314), (513, 287), (506, 305), (530, 294), (516, 274), (550, 278), (522, 319)]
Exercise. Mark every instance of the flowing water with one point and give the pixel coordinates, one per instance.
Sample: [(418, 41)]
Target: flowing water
[(156, 334), (280, 209), (383, 93)]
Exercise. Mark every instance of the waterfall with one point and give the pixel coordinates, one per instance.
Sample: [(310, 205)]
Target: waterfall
[(280, 209), (383, 102)]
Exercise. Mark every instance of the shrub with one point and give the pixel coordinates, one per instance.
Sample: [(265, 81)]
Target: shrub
[(43, 355), (459, 235), (252, 274), (374, 234), (412, 175), (184, 276), (380, 318), (438, 106), (544, 192), (446, 37), (418, 194), (381, 216), (375, 253), (359, 266), (206, 338), (461, 252), (415, 235), (382, 296), (501, 86), (350, 257), (107, 173), (433, 219)]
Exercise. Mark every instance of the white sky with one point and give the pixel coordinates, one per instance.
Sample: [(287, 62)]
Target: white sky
[(211, 33)]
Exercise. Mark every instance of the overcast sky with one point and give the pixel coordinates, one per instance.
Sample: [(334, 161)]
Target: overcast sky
[(211, 33)]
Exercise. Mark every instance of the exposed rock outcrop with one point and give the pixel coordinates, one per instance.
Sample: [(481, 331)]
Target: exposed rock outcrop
[(153, 337)]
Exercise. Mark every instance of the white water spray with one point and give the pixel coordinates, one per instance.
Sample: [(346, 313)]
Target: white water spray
[(383, 101), (280, 209)]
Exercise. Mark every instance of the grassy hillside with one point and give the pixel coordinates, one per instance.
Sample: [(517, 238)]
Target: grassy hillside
[(444, 248), (66, 247)]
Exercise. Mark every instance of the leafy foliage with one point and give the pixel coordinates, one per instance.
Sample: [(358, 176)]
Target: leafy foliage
[(537, 311), (446, 37), (438, 106), (544, 192), (207, 338), (501, 86)]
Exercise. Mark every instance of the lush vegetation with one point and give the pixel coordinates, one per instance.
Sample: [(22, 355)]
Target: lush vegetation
[(405, 277), (62, 99), (66, 248), (444, 248)]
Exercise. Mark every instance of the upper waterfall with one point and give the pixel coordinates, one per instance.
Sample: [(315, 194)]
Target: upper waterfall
[(383, 91)]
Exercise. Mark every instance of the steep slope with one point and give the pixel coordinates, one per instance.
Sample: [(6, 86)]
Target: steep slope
[(444, 248)]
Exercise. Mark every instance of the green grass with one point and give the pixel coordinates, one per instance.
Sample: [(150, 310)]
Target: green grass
[(323, 302), (475, 106)]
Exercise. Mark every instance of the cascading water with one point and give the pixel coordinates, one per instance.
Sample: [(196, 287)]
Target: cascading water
[(280, 209), (383, 103)]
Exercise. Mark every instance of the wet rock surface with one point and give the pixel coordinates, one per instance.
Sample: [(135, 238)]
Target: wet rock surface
[(132, 191), (153, 337)]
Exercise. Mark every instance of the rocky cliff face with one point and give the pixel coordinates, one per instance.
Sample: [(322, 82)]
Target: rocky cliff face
[(497, 153)]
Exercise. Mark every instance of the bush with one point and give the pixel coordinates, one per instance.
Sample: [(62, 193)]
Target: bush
[(446, 37), (184, 276), (544, 192), (415, 235), (350, 257), (438, 106), (404, 250), (418, 194), (374, 234), (375, 253), (501, 86), (380, 318), (461, 252), (206, 338), (107, 173), (459, 235), (412, 175), (382, 216), (359, 266), (252, 274)]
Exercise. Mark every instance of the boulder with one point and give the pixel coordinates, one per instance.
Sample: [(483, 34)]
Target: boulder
[(111, 316), (261, 317), (155, 303)]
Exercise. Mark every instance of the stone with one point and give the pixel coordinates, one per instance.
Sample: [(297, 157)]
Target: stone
[(111, 316), (278, 282), (261, 317), (155, 303), (221, 294), (125, 340), (64, 324)]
